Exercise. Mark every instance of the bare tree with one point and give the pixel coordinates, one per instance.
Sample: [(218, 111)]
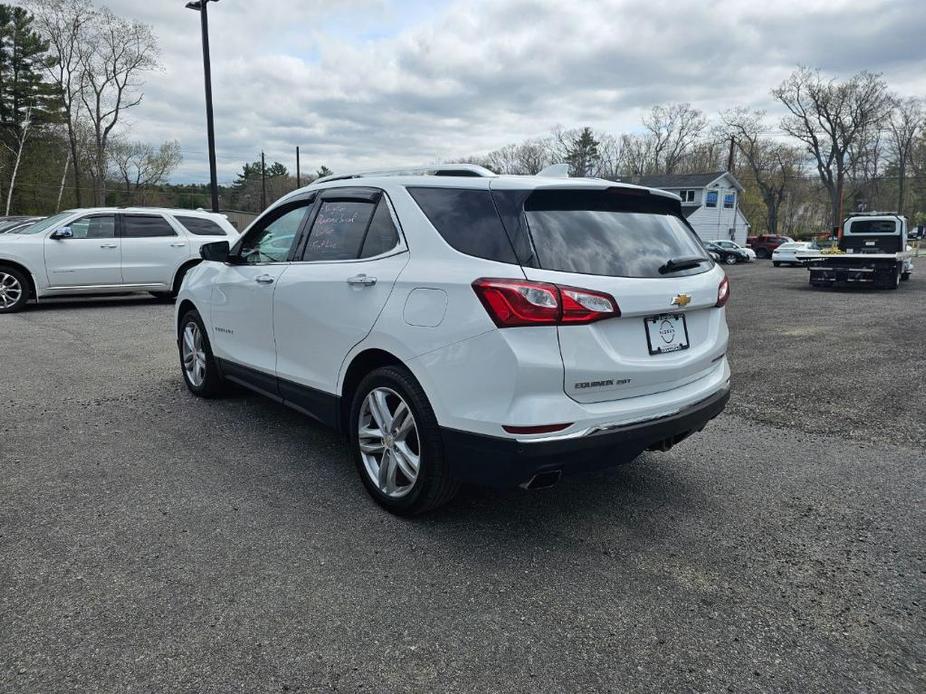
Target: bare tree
[(774, 166), (119, 51), (139, 165), (21, 134), (64, 24), (673, 129), (830, 118), (905, 122)]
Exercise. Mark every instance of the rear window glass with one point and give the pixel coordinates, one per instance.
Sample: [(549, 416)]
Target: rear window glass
[(873, 226), (600, 233), (467, 220), (201, 226)]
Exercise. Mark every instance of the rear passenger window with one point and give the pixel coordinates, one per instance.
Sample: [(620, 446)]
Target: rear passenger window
[(467, 220), (338, 230), (382, 235), (201, 226), (135, 226)]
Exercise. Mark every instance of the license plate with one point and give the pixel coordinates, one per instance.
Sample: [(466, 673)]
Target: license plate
[(666, 333)]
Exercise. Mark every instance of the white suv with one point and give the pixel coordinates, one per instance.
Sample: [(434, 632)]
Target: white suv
[(104, 251), (467, 327)]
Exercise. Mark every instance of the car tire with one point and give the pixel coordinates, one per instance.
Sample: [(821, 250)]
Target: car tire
[(14, 290), (776, 263), (904, 276), (730, 260), (763, 253), (392, 394), (197, 363)]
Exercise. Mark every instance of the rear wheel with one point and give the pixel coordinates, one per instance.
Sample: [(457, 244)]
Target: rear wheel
[(14, 290), (730, 260), (763, 253), (396, 444), (904, 276), (776, 263)]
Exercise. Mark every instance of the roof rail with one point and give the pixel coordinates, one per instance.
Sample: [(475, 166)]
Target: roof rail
[(471, 170)]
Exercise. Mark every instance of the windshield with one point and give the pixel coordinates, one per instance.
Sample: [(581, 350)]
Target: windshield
[(596, 233), (48, 223)]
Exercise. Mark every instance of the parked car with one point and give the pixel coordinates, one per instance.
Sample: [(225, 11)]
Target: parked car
[(10, 224), (765, 245), (728, 256), (786, 253), (104, 251), (415, 314), (733, 246)]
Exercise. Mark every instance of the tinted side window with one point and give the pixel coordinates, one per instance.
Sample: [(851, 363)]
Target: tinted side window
[(338, 230), (201, 226), (98, 227), (136, 226), (467, 220), (382, 235), (272, 238)]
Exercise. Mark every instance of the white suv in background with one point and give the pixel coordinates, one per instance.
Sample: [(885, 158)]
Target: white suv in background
[(104, 251), (467, 327)]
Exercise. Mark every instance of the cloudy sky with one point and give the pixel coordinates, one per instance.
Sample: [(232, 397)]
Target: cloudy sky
[(361, 83)]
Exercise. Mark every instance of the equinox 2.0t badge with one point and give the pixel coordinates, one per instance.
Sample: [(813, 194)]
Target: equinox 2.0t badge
[(681, 300)]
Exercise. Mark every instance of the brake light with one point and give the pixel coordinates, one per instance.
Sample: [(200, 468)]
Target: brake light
[(723, 293), (541, 429), (511, 303)]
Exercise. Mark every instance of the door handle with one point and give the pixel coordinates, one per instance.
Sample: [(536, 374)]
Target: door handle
[(178, 244), (109, 245), (264, 279), (361, 280)]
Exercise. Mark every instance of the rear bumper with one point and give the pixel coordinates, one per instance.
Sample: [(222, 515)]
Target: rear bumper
[(501, 462)]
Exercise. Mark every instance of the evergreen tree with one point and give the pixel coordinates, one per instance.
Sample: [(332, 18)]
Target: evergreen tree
[(582, 155), (23, 59)]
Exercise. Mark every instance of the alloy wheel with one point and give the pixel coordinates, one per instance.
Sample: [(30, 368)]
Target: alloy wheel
[(194, 354), (11, 290), (389, 444)]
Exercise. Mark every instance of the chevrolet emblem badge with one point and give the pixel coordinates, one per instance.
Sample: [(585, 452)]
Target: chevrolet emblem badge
[(681, 300)]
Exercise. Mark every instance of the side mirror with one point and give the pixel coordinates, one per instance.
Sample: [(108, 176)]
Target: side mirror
[(216, 251), (63, 233)]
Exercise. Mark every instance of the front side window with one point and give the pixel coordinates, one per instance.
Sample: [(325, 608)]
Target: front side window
[(598, 233), (148, 226), (339, 230), (272, 241), (96, 227)]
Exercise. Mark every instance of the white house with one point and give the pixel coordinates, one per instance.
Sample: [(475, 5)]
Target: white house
[(710, 203)]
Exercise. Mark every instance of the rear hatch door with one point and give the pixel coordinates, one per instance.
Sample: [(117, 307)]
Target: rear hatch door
[(618, 241)]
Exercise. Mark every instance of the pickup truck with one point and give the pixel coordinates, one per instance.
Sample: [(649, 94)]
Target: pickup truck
[(764, 245), (872, 250)]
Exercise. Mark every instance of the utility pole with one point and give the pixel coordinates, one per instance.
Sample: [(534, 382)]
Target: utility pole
[(263, 183), (730, 156), (201, 7), (298, 176)]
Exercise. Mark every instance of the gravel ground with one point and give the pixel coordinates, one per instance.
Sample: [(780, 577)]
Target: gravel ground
[(150, 541)]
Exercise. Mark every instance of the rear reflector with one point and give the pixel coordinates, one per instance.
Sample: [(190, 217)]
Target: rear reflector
[(511, 303), (542, 429), (723, 293)]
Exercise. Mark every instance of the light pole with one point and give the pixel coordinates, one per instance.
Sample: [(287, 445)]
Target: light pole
[(201, 7)]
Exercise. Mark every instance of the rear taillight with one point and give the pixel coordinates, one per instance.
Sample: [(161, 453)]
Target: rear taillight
[(723, 293), (512, 303)]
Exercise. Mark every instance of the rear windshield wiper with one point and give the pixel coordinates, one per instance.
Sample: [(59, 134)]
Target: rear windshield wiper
[(675, 264)]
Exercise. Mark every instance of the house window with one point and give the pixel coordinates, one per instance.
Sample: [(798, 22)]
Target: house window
[(686, 195), (729, 200), (710, 199)]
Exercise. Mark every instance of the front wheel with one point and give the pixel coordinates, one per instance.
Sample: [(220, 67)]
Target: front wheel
[(776, 263), (730, 260), (14, 290), (396, 444), (197, 363)]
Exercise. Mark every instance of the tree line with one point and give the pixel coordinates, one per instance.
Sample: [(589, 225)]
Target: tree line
[(69, 73), (842, 146)]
